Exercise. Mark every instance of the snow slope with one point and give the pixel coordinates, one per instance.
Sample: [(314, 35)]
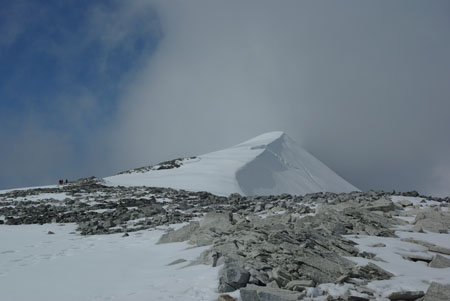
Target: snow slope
[(269, 164), (67, 266)]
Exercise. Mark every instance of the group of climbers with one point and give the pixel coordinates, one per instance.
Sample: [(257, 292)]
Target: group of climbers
[(61, 181)]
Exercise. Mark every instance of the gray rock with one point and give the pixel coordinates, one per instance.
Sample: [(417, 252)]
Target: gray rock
[(430, 246), (263, 293), (299, 285), (357, 298), (432, 219), (226, 298), (431, 225), (211, 226), (379, 245), (259, 207), (406, 295), (232, 277), (177, 261), (405, 203), (273, 284), (382, 204), (179, 235), (354, 221), (437, 292), (439, 262), (281, 276), (439, 249), (372, 272), (418, 257)]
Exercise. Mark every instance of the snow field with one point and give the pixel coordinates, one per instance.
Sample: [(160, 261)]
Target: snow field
[(65, 266)]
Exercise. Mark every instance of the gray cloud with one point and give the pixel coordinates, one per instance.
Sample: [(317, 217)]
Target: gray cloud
[(363, 86)]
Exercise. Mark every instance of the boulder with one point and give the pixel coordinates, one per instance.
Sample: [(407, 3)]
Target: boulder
[(357, 298), (429, 224), (264, 293), (405, 203), (382, 204), (299, 285), (179, 235), (177, 261), (371, 272), (378, 245), (406, 295), (232, 277), (226, 298), (281, 276), (439, 262), (273, 284), (437, 292), (211, 226), (432, 219)]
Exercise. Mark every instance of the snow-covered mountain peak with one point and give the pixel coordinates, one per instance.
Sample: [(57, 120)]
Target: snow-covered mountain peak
[(269, 164), (263, 140)]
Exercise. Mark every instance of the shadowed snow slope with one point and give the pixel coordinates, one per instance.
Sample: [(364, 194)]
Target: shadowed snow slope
[(269, 164)]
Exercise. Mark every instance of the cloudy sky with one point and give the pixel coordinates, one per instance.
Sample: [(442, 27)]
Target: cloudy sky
[(96, 87)]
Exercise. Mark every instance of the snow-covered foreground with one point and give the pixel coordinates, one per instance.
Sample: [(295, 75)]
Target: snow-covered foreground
[(270, 164), (35, 265)]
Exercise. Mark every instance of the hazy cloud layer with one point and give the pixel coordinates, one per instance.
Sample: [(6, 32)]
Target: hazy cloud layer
[(361, 85)]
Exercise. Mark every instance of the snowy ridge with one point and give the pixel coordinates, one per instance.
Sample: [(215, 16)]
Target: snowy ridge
[(269, 164)]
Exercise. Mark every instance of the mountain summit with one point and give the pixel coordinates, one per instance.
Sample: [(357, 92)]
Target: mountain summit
[(269, 164)]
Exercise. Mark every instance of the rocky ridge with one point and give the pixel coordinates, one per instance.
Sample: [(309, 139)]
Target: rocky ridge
[(175, 163), (270, 247)]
